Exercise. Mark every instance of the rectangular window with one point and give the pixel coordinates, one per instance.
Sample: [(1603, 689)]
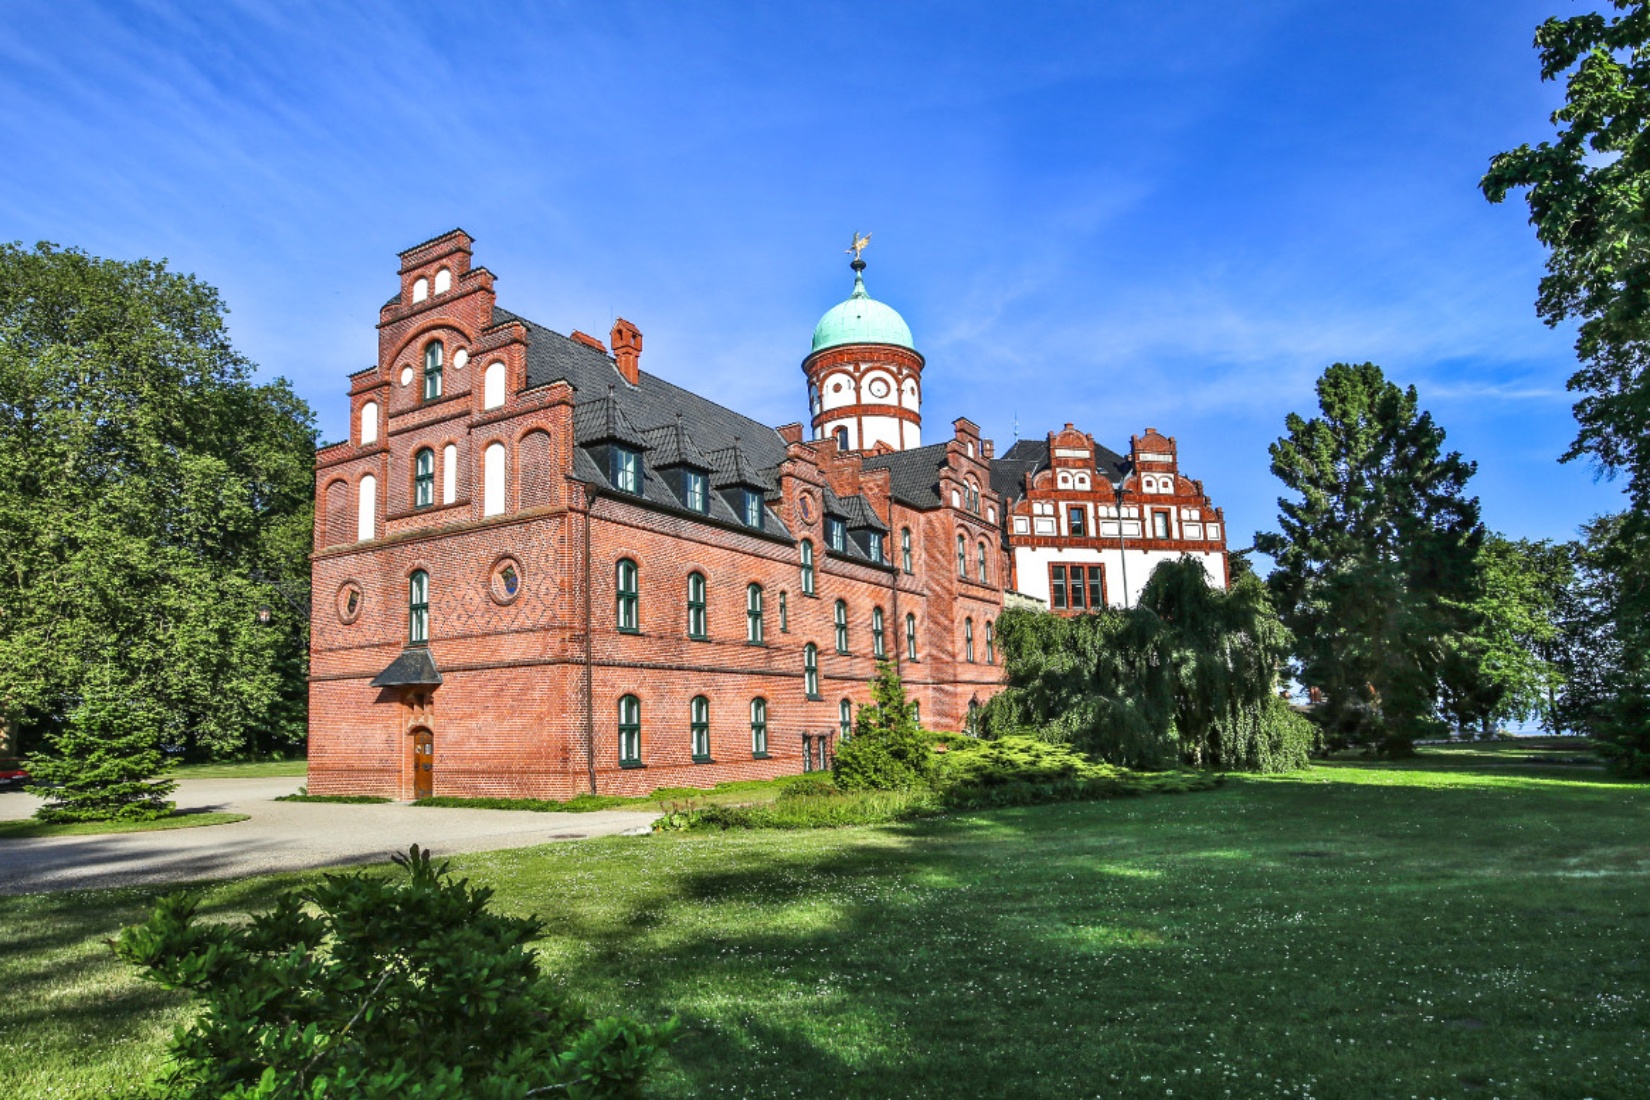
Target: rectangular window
[(696, 607), (699, 721), (1057, 587), (1074, 593), (1095, 601), (753, 509), (753, 614), (627, 470), (694, 493), (836, 535), (630, 732), (626, 612), (1160, 524), (879, 644), (1074, 522), (759, 727)]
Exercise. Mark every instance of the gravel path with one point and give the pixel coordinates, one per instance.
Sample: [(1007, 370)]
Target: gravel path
[(280, 836)]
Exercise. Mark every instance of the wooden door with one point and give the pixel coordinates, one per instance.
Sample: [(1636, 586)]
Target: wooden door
[(423, 764)]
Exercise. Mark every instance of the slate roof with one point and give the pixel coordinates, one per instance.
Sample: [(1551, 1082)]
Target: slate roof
[(604, 421), (730, 467), (1009, 469), (673, 446), (914, 474), (413, 666)]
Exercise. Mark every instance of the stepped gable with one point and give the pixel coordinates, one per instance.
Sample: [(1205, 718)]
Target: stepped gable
[(1030, 456)]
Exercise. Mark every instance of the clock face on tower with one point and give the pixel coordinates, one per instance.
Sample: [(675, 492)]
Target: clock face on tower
[(878, 387)]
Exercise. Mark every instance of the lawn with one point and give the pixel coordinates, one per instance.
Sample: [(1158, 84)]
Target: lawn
[(30, 829), (1350, 931), (241, 769)]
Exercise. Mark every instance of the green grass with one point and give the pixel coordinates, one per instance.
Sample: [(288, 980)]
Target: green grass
[(348, 799), (1349, 931), (242, 769), (29, 829), (740, 791)]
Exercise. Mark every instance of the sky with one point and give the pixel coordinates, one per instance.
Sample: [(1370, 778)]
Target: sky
[(1121, 215)]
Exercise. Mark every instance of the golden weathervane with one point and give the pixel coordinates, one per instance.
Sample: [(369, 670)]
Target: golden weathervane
[(859, 244)]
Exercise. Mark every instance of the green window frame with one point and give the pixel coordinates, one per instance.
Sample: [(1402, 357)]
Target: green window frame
[(840, 616), (433, 355), (418, 608), (699, 728), (836, 534), (697, 618), (911, 637), (695, 494), (754, 508), (627, 470), (985, 575), (627, 597), (905, 549), (990, 643), (845, 719), (784, 615), (630, 732), (968, 640), (879, 639), (962, 557), (810, 671), (807, 568), (424, 478), (759, 727), (753, 615)]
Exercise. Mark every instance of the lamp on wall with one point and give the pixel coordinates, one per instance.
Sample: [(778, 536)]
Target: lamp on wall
[(264, 615)]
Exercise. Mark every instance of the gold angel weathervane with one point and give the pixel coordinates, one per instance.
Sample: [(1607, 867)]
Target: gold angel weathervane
[(859, 244)]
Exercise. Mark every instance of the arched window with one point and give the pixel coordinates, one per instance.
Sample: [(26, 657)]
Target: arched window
[(421, 289), (424, 478), (905, 548), (753, 615), (433, 353), (696, 606), (630, 732), (810, 670), (418, 608), (984, 575), (841, 626), (449, 473), (962, 556), (841, 438), (807, 568), (626, 609), (699, 726), (784, 615), (366, 509), (974, 717), (369, 423), (492, 480), (845, 719), (443, 281), (879, 642), (968, 640), (759, 727), (990, 643), (911, 637), (492, 386)]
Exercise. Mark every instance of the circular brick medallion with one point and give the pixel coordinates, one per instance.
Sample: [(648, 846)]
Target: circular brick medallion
[(506, 581), (350, 600), (805, 505)]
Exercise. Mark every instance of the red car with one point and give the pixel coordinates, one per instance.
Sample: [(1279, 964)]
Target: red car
[(12, 777)]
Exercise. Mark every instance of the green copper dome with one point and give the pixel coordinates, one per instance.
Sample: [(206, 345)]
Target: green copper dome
[(861, 320)]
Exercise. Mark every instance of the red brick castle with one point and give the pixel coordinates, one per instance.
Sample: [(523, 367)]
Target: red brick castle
[(540, 570)]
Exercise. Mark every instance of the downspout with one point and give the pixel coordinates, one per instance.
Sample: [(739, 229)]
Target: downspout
[(589, 652)]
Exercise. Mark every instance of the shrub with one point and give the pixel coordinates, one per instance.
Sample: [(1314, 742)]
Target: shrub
[(369, 987), (888, 751), (105, 764)]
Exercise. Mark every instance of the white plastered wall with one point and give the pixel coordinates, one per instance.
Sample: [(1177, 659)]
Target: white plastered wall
[(1031, 568)]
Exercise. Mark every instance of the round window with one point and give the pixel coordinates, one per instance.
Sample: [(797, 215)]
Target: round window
[(406, 376), (349, 602), (805, 505), (879, 387), (506, 581), (460, 357)]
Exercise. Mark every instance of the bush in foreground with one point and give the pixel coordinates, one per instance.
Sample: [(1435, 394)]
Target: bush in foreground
[(374, 988)]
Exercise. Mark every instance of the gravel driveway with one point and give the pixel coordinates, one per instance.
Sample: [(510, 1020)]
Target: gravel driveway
[(280, 836)]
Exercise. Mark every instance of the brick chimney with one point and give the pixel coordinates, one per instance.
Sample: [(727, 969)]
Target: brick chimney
[(626, 339)]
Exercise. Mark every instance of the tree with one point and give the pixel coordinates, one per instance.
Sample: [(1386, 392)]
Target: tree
[(1518, 634), (1376, 558), (106, 763), (1589, 194), (152, 498), (375, 987), (888, 750), (1189, 674)]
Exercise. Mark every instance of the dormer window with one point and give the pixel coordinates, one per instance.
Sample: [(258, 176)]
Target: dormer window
[(695, 494), (432, 370), (836, 534), (751, 508), (627, 470), (873, 544)]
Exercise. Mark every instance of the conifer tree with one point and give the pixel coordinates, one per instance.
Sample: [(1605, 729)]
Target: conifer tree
[(105, 764), (887, 750)]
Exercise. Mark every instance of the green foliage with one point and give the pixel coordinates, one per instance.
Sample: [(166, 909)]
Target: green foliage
[(1377, 557), (369, 987), (1586, 198), (105, 766), (1183, 677), (152, 497), (888, 751)]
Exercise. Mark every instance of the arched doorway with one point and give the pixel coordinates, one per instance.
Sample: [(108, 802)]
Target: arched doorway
[(423, 763)]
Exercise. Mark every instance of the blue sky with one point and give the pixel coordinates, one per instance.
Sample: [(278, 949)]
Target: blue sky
[(1117, 214)]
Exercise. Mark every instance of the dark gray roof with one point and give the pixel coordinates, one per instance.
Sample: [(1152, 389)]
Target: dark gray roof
[(603, 421), (413, 666), (859, 513), (915, 474), (1029, 456), (673, 446), (730, 466)]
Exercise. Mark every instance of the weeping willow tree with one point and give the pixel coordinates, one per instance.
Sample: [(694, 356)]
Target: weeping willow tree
[(1188, 675)]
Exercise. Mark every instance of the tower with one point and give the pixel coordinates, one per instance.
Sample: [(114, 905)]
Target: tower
[(864, 375)]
